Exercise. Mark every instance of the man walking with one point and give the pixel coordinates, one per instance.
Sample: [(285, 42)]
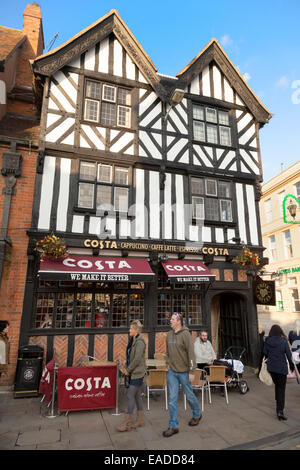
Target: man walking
[(181, 362)]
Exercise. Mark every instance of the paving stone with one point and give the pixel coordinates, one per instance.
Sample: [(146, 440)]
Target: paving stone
[(49, 436), (89, 440), (8, 440)]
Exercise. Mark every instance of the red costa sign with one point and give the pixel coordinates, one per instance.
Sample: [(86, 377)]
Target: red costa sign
[(86, 388), (187, 271), (96, 268)]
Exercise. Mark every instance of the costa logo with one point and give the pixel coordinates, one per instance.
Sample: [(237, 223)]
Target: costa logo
[(99, 264), (88, 383), (185, 267)]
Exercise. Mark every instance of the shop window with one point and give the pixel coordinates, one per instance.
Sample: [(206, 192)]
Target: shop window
[(187, 301), (102, 308), (211, 125), (94, 309), (44, 310), (64, 315), (136, 307), (103, 187), (194, 309), (295, 300), (107, 104), (211, 200), (164, 308), (279, 302), (83, 310), (119, 310)]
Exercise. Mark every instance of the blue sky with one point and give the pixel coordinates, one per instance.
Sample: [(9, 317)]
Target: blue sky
[(260, 37)]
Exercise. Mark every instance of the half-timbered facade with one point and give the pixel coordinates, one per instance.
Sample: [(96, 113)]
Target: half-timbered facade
[(125, 172)]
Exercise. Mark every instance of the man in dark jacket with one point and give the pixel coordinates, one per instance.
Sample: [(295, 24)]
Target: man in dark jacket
[(181, 362), (277, 352)]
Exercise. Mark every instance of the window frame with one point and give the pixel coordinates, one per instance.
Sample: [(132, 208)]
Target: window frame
[(205, 121), (102, 99), (113, 185), (204, 193)]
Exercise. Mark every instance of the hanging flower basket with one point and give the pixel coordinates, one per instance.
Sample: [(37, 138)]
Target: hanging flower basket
[(52, 248), (247, 258)]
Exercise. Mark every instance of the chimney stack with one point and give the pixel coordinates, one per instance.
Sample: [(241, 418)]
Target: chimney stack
[(34, 44)]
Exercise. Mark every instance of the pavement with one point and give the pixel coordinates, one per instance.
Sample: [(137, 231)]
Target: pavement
[(248, 422)]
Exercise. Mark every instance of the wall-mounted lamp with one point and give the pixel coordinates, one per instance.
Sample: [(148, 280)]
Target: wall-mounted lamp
[(176, 98), (292, 208), (236, 240)]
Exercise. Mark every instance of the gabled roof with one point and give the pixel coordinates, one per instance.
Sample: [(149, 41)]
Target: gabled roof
[(213, 52), (10, 40), (49, 63)]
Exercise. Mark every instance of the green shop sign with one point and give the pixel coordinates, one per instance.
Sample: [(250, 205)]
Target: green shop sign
[(291, 209), (289, 270)]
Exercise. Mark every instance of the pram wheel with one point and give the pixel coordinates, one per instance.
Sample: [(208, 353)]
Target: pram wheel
[(243, 387)]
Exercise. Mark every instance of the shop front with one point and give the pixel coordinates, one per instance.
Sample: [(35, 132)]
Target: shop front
[(83, 305)]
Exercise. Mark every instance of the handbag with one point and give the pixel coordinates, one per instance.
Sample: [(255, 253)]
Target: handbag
[(264, 375)]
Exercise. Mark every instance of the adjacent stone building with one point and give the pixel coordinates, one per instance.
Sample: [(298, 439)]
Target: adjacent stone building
[(280, 220)]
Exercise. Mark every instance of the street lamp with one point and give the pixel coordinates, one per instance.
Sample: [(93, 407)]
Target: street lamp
[(292, 208)]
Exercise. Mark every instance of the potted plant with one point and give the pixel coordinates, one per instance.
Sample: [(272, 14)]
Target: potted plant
[(52, 248), (247, 258)]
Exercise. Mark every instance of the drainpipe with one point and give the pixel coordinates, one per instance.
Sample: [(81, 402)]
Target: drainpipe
[(11, 169)]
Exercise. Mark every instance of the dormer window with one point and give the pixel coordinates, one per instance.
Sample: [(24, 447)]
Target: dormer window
[(107, 104), (211, 125)]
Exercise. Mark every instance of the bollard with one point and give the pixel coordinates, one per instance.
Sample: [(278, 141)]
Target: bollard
[(51, 414), (117, 392)]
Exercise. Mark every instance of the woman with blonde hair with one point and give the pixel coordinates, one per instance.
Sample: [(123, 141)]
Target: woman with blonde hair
[(135, 370)]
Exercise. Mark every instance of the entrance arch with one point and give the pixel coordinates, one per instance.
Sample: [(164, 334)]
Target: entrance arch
[(229, 323)]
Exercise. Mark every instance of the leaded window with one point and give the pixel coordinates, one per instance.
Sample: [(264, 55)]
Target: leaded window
[(103, 187), (62, 305), (211, 125), (211, 199), (107, 104)]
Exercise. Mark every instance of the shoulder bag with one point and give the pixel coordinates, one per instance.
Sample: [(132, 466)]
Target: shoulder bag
[(264, 375)]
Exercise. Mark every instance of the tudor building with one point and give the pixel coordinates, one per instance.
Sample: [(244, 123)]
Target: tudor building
[(153, 193)]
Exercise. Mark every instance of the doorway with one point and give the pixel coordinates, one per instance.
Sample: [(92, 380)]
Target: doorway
[(229, 323)]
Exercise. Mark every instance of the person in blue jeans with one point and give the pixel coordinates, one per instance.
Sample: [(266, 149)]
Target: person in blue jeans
[(181, 363)]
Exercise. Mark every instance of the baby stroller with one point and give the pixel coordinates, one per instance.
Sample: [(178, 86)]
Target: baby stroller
[(234, 368)]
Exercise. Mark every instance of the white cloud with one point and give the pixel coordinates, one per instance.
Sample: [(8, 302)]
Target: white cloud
[(226, 40), (247, 76), (283, 82)]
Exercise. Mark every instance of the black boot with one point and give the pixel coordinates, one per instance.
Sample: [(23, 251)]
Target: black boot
[(281, 416)]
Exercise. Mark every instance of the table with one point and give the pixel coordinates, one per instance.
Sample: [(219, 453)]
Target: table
[(156, 363)]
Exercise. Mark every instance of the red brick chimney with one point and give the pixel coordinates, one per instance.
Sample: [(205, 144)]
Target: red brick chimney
[(34, 44)]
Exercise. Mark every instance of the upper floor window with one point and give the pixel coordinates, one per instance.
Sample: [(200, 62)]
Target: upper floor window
[(103, 186), (268, 210), (107, 104), (211, 125), (298, 190), (211, 199), (272, 244), (288, 248)]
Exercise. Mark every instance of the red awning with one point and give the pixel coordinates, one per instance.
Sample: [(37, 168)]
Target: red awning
[(96, 268), (187, 271)]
